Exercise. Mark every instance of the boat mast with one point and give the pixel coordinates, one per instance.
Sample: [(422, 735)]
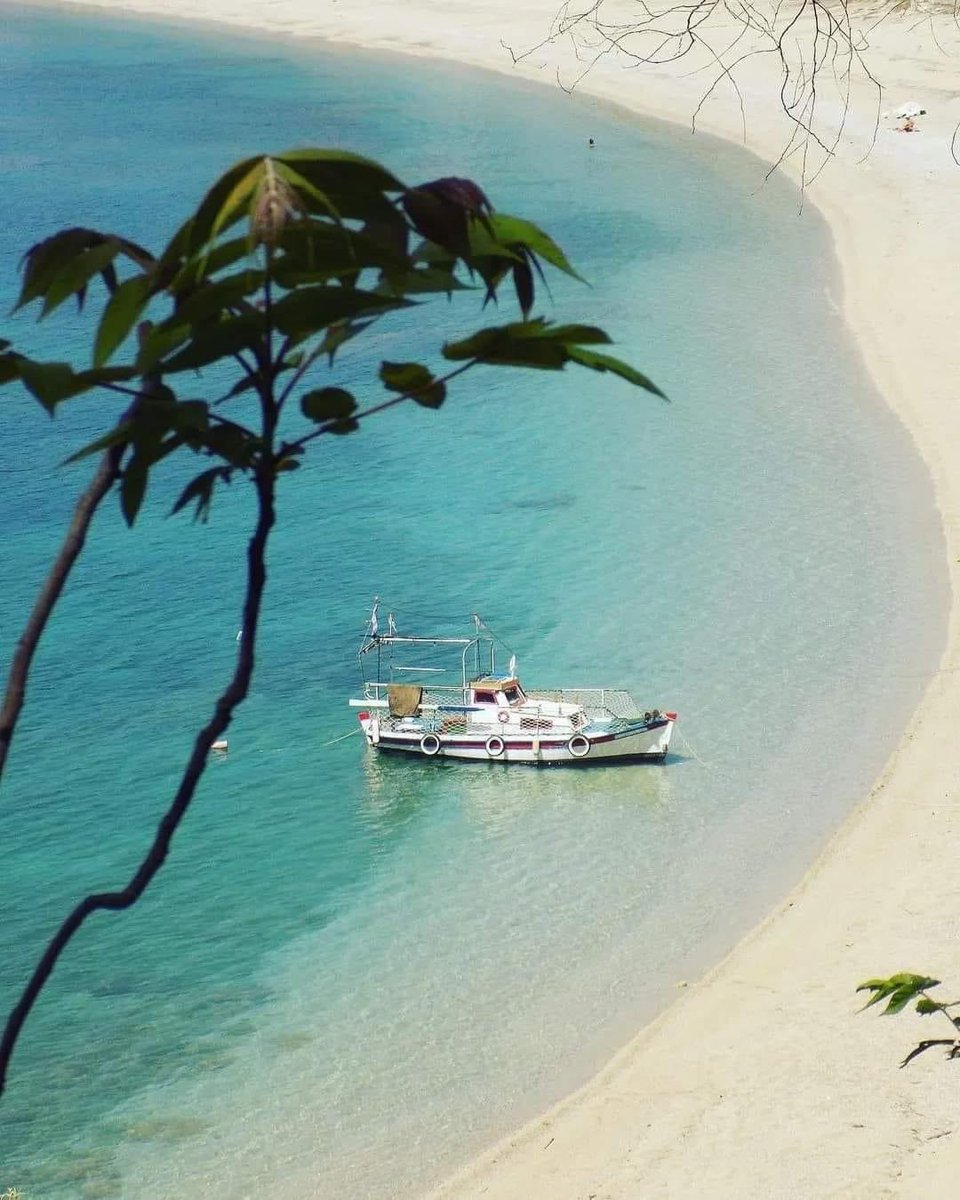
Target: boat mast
[(478, 625)]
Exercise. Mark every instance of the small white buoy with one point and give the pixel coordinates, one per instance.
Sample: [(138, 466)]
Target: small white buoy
[(221, 745)]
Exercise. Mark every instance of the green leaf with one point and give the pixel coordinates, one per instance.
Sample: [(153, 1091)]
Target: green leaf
[(897, 989), (435, 256), (159, 341), (536, 343), (133, 486), (327, 404), (404, 377), (413, 379), (9, 365), (204, 267), (188, 416), (211, 300), (224, 204), (46, 261), (211, 343), (76, 275), (176, 253), (199, 491), (323, 167), (421, 281), (311, 309), (606, 362), (523, 286), (243, 384), (236, 445), (356, 187), (524, 344), (311, 198), (51, 382), (926, 1006), (315, 251), (119, 434), (339, 333), (514, 230), (484, 245), (582, 335), (122, 310)]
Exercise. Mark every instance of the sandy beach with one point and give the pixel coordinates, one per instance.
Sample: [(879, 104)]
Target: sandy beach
[(761, 1080)]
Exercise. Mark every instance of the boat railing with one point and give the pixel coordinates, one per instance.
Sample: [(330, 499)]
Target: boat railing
[(616, 701), (433, 694)]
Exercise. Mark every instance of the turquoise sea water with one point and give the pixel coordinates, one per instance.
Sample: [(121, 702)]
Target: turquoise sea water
[(352, 973)]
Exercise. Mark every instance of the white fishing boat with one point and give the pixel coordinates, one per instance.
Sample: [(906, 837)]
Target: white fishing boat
[(487, 714)]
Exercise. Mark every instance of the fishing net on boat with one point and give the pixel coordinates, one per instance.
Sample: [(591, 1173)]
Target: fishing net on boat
[(403, 699)]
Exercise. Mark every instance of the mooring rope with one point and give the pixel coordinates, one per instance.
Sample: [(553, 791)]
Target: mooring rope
[(693, 753), (342, 738)]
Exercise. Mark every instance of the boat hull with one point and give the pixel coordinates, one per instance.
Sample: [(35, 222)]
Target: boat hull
[(649, 742)]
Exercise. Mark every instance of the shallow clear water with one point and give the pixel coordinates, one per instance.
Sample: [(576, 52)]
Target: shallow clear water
[(353, 972)]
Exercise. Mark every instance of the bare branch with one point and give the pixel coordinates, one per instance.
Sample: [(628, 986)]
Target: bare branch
[(817, 47)]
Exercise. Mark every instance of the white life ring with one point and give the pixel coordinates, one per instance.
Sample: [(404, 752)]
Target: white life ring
[(430, 744), (495, 746), (579, 746), (503, 716)]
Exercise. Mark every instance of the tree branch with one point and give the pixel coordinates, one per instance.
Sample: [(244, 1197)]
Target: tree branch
[(812, 42), (70, 549), (299, 443), (233, 695)]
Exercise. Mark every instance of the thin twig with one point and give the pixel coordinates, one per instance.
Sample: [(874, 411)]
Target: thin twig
[(378, 408), (814, 42)]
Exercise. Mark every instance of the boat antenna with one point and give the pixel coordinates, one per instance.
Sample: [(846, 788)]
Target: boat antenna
[(494, 641), (478, 625), (391, 625)]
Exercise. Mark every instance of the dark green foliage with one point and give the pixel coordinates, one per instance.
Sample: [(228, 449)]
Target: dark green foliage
[(333, 244), (899, 991), (415, 380)]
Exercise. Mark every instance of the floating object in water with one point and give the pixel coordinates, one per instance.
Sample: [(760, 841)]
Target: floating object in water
[(222, 746)]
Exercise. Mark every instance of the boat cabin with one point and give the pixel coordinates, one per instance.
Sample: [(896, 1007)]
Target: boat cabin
[(502, 692)]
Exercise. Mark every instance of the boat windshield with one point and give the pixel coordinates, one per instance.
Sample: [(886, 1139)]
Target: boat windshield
[(514, 694)]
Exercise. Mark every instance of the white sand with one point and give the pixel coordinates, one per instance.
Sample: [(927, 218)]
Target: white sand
[(760, 1081)]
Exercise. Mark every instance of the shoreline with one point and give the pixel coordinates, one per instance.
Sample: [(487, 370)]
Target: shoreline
[(761, 1070)]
